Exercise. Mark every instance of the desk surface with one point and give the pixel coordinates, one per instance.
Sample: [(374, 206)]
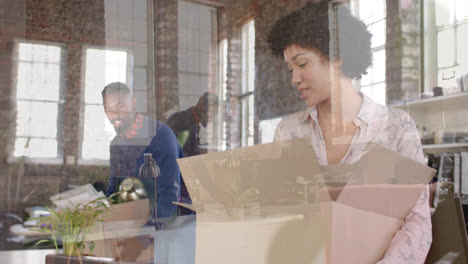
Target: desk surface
[(27, 256)]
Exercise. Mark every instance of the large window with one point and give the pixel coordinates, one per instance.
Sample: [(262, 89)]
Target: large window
[(244, 95), (196, 25), (102, 67), (38, 100), (222, 79), (373, 13), (451, 31), (248, 83)]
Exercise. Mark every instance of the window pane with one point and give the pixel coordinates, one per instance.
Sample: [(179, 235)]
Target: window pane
[(23, 118), (20, 146), (378, 33), (53, 54), (462, 9), (39, 148), (367, 78), (379, 66), (25, 51), (95, 149), (51, 85), (367, 90), (251, 58), (96, 123), (445, 48), (444, 12), (223, 68), (39, 53), (43, 119), (24, 81), (103, 67), (462, 51), (38, 91), (371, 10), (38, 81), (97, 130), (378, 93), (267, 129)]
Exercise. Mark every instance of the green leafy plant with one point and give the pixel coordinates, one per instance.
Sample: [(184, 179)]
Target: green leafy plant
[(71, 226)]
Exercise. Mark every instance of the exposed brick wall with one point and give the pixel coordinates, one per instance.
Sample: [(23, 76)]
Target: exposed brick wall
[(166, 50), (403, 51), (274, 95), (71, 24), (12, 25)]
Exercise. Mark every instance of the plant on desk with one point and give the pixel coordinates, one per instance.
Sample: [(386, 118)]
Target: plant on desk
[(72, 225)]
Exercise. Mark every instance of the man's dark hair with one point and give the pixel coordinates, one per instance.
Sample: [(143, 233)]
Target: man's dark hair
[(115, 87), (208, 98), (309, 28)]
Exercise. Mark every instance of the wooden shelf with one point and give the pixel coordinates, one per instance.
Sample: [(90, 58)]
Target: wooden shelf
[(446, 99), (464, 199), (443, 146), (438, 148)]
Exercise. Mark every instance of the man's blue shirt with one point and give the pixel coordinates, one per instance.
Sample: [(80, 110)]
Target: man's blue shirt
[(126, 156)]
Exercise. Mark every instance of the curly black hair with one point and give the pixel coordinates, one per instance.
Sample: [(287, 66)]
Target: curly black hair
[(309, 27)]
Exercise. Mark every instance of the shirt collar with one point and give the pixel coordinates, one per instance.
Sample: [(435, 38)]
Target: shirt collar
[(366, 112), (137, 124), (310, 112), (362, 118)]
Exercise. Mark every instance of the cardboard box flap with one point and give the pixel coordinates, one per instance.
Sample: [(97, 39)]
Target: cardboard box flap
[(135, 210), (390, 200), (380, 165), (256, 174)]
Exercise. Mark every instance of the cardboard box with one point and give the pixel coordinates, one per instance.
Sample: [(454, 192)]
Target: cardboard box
[(261, 204), (122, 234), (365, 219), (357, 236)]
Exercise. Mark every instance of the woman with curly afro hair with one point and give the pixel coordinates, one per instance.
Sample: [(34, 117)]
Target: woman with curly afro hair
[(339, 120)]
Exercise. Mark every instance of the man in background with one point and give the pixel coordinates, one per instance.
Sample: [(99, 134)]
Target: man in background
[(136, 135), (189, 121)]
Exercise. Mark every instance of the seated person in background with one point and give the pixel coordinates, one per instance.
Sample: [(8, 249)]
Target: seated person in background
[(136, 135), (190, 119), (339, 120)]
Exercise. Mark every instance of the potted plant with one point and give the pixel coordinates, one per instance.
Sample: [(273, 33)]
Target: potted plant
[(71, 226)]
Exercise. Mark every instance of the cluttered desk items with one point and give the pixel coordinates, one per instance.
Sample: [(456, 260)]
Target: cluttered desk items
[(85, 223)]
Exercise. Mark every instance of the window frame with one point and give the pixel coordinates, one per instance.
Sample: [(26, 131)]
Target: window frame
[(60, 133), (434, 74)]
